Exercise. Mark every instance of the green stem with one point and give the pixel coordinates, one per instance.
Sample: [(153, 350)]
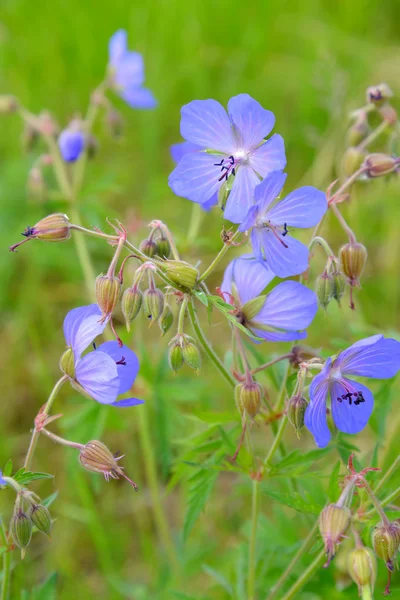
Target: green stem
[(207, 346), (373, 135), (84, 256), (388, 500), (182, 314), (343, 223), (319, 240), (219, 257), (270, 363), (255, 508), (302, 580), (387, 475), (376, 503), (6, 580), (196, 220), (366, 593), (46, 411), (277, 408)]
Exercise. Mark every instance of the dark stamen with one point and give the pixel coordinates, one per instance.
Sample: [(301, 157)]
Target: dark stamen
[(357, 397), (29, 231), (121, 362)]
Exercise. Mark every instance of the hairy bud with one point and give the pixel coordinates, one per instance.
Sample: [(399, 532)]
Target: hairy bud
[(358, 130), (175, 356), (379, 94), (41, 518), (191, 356), (108, 289), (181, 273), (379, 164), (352, 160), (362, 568), (148, 247), (131, 303), (163, 247), (386, 542), (96, 457), (324, 289), (54, 228), (153, 303), (35, 185), (295, 411), (67, 363), (334, 521), (21, 529), (8, 104), (353, 257), (166, 320), (248, 398), (339, 285)]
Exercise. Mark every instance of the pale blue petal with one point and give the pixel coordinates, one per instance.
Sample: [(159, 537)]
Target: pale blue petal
[(117, 46), (279, 336), (129, 71), (285, 256), (241, 196), (127, 371), (289, 306), (82, 326), (71, 144), (376, 357), (315, 415), (269, 157), (249, 276), (139, 98), (97, 374), (250, 219), (252, 121), (128, 402), (350, 418), (268, 190), (196, 177), (179, 150), (206, 123), (304, 207), (209, 204)]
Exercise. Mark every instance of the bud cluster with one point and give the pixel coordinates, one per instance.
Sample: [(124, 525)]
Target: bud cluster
[(331, 284), (28, 513), (183, 350)]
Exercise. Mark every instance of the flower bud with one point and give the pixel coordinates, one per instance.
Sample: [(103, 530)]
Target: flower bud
[(96, 457), (175, 356), (352, 160), (114, 123), (181, 273), (388, 113), (108, 289), (131, 303), (163, 248), (67, 363), (362, 567), (386, 542), (166, 320), (248, 398), (71, 143), (379, 164), (29, 137), (54, 228), (92, 146), (379, 94), (334, 521), (295, 412), (191, 356), (339, 285), (148, 247), (36, 185), (153, 303), (324, 289), (8, 104), (353, 257), (21, 529), (358, 130), (41, 518)]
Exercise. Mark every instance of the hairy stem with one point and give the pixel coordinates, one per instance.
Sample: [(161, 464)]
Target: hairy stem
[(270, 363), (84, 257), (343, 223), (255, 508), (219, 257), (387, 475), (373, 135), (196, 220), (6, 579), (306, 576), (388, 500)]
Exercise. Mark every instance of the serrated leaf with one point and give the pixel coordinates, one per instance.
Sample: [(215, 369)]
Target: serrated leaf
[(8, 468), (202, 296), (295, 501), (25, 477), (200, 488)]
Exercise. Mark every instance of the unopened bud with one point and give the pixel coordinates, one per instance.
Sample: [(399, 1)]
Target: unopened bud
[(324, 289), (379, 94), (379, 165), (8, 104), (362, 567), (339, 285), (114, 123), (131, 303), (175, 356), (108, 289), (191, 356), (91, 145), (67, 363), (386, 542), (163, 247), (388, 113), (41, 518), (96, 457), (352, 160), (248, 398), (148, 247), (36, 185), (353, 257), (334, 521), (153, 303), (181, 273), (21, 529), (295, 411), (54, 228), (29, 137), (166, 320), (358, 130)]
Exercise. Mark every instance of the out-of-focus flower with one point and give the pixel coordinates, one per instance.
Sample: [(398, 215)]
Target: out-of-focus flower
[(278, 317), (105, 373), (351, 402), (269, 222), (127, 73), (233, 152), (2, 481), (71, 143)]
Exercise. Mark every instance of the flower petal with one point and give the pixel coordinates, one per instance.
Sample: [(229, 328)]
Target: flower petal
[(279, 336), (290, 306), (71, 144), (127, 403), (315, 415), (209, 204), (285, 260), (206, 123), (302, 208), (97, 374), (129, 71), (250, 219), (250, 277), (129, 367), (375, 357), (195, 177), (139, 98), (269, 189), (2, 481), (179, 150), (252, 122), (117, 46), (350, 418), (81, 327), (269, 157), (241, 196)]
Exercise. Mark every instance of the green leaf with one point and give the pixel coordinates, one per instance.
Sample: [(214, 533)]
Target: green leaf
[(202, 296), (219, 578), (48, 590), (295, 501), (8, 468), (25, 477), (333, 490), (49, 500), (200, 488)]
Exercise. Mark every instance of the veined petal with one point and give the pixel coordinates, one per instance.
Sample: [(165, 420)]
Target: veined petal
[(196, 177), (126, 361), (139, 97), (375, 357), (268, 190), (127, 402), (302, 208), (285, 260), (129, 71), (290, 306), (315, 415), (241, 196), (117, 46), (269, 157), (209, 204), (81, 327), (252, 121), (97, 374), (249, 276), (179, 150), (206, 123), (350, 418), (279, 336)]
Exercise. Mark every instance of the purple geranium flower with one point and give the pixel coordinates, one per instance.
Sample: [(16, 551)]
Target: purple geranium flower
[(351, 402), (269, 222), (108, 371), (277, 317), (2, 481), (127, 73), (233, 149), (71, 143)]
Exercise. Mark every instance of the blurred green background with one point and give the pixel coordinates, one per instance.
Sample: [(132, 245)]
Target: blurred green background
[(309, 62)]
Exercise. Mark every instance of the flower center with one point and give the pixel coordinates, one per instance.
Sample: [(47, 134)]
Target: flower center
[(351, 394), (228, 165), (278, 231)]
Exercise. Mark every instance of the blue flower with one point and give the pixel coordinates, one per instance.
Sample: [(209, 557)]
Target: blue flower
[(351, 402), (234, 152), (2, 481), (108, 371), (269, 221), (289, 308), (71, 144), (127, 73)]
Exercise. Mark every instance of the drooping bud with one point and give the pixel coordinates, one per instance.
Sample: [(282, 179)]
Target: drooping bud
[(131, 303), (352, 160), (295, 411), (362, 568), (353, 257), (181, 273), (166, 320), (8, 104), (29, 137), (175, 355), (96, 457), (324, 289), (334, 521), (379, 164), (21, 529), (163, 247), (36, 185), (41, 518), (248, 398), (67, 363), (71, 144), (379, 94), (388, 113), (153, 303), (359, 129), (108, 289), (339, 285), (54, 228), (386, 542), (191, 355), (148, 247)]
